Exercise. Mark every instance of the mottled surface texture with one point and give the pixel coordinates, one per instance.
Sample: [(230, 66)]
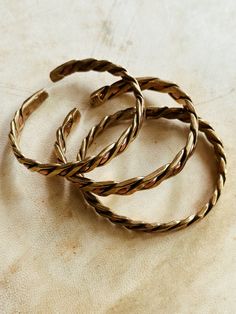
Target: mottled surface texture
[(56, 254)]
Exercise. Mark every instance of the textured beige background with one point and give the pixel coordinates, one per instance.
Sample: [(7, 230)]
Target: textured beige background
[(56, 255)]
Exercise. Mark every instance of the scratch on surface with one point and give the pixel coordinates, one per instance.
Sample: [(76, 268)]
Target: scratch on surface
[(105, 34), (107, 37)]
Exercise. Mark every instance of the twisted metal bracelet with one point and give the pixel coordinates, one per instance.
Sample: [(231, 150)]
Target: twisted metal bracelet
[(105, 188), (151, 113), (153, 179), (108, 153)]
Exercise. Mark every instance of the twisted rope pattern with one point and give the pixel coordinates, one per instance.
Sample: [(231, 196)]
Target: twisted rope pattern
[(74, 171), (152, 113), (108, 153), (153, 179)]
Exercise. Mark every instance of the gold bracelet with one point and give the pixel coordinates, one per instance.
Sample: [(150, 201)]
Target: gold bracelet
[(153, 179), (151, 113), (112, 150)]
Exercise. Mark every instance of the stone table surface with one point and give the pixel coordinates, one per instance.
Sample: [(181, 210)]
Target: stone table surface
[(56, 254)]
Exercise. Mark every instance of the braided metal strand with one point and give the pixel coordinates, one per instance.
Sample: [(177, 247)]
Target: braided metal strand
[(153, 179), (108, 153), (156, 84), (153, 113)]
